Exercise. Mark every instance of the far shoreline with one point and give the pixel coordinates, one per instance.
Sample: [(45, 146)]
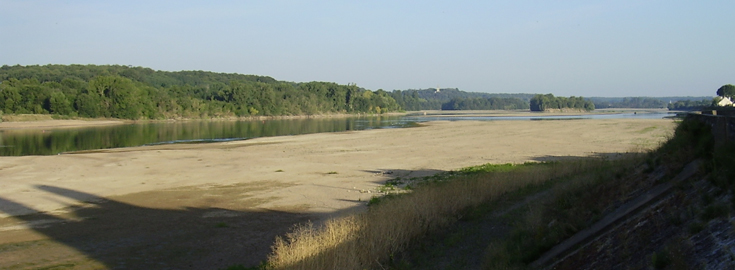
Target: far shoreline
[(45, 121)]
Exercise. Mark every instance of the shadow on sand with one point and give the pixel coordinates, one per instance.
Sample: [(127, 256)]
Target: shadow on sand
[(117, 235), (109, 233)]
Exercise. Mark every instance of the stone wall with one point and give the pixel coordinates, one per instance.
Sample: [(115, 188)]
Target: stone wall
[(722, 123)]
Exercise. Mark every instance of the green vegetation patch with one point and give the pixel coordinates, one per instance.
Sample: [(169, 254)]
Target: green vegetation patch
[(115, 91)]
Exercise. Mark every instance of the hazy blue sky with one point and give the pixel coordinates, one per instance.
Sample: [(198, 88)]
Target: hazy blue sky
[(581, 48)]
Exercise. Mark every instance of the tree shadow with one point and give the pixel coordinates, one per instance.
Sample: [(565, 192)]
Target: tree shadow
[(124, 236)]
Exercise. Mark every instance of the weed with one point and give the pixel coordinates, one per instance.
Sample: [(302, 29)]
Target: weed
[(696, 227), (714, 211), (660, 259), (373, 201), (332, 172), (222, 225), (279, 170), (262, 266), (707, 198), (453, 239)]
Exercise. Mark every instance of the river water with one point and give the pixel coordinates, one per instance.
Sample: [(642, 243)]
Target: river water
[(56, 141)]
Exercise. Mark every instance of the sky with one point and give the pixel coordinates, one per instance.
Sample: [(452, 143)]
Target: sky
[(567, 48)]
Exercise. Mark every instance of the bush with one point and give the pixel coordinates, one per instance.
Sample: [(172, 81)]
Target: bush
[(692, 139)]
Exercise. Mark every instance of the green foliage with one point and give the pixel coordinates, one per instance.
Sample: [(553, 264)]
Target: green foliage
[(660, 259), (628, 102), (696, 227), (493, 103), (489, 167), (692, 139), (374, 200), (141, 93), (689, 105), (261, 266), (550, 102), (727, 90), (455, 99), (714, 211)]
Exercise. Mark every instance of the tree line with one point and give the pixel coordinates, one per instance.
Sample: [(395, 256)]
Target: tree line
[(690, 105), (455, 99), (493, 103), (550, 102), (142, 93), (725, 91), (629, 102)]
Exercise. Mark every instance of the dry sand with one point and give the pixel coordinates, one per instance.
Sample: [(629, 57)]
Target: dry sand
[(302, 177), (304, 163)]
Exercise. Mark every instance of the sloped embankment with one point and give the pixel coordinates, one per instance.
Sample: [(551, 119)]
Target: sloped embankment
[(660, 209), (641, 212)]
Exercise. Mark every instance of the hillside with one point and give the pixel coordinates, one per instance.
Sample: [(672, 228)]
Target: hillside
[(142, 93)]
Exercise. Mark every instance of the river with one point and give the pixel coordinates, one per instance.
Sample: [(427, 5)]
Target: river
[(51, 142)]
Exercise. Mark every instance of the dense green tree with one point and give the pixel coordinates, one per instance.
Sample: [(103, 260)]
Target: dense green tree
[(135, 93), (727, 90), (88, 105), (628, 102), (494, 103), (59, 104), (689, 105), (550, 102), (455, 99)]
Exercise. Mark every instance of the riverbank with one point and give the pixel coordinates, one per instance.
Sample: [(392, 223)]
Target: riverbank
[(259, 188), (45, 121), (527, 113)]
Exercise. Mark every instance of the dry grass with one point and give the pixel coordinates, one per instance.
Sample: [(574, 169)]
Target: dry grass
[(365, 240)]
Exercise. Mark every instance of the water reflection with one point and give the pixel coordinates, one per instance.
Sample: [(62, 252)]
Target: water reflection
[(51, 142)]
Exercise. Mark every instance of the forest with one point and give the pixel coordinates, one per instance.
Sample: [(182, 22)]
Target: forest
[(455, 99), (493, 103), (629, 102), (550, 102), (128, 92), (690, 105)]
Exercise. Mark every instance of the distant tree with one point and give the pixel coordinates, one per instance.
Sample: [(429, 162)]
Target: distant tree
[(549, 102), (689, 105), (727, 90)]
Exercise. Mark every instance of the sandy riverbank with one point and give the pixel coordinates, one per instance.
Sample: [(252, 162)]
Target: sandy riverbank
[(303, 162), (54, 124), (317, 175)]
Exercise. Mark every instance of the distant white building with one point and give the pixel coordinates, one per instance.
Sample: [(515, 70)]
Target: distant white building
[(724, 102)]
